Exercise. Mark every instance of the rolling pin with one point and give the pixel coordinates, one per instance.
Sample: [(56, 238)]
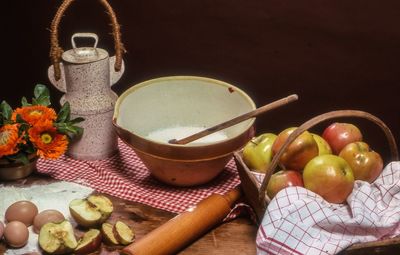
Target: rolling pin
[(186, 227)]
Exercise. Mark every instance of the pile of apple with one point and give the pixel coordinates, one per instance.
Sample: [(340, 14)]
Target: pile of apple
[(327, 165), (91, 213)]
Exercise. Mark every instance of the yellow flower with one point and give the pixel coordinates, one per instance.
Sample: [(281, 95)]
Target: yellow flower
[(48, 142), (9, 139)]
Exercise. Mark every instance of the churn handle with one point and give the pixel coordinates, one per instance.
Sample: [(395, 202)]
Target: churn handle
[(316, 120), (56, 51)]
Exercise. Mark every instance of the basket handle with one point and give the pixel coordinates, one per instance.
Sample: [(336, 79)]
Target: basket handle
[(316, 120), (56, 51)]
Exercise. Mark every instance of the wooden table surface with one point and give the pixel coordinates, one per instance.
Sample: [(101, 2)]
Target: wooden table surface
[(234, 237)]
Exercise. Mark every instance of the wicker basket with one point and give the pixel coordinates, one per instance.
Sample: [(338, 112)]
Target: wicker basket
[(256, 195)]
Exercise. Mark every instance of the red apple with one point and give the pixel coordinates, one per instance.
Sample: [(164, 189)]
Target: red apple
[(367, 164), (257, 153), (329, 176), (299, 152), (283, 179), (338, 135)]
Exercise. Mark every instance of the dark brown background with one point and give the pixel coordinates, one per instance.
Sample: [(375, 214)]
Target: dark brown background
[(333, 54)]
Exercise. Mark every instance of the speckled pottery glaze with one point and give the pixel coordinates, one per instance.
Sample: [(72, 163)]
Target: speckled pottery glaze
[(87, 75)]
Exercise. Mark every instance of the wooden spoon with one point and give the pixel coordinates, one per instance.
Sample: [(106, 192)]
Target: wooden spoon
[(236, 120)]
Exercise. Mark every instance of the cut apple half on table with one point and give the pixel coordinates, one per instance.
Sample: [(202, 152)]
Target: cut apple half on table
[(123, 233), (92, 211), (102, 204), (89, 242), (108, 235), (57, 238)]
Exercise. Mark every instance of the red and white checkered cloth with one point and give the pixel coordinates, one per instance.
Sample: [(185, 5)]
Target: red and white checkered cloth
[(125, 176), (298, 221)]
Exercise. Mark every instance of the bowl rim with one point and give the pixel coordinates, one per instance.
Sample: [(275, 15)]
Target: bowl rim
[(163, 149)]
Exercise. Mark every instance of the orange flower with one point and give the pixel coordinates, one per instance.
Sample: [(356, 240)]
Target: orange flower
[(48, 142), (35, 113), (9, 139)]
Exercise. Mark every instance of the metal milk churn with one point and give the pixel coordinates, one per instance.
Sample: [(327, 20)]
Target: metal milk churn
[(86, 76)]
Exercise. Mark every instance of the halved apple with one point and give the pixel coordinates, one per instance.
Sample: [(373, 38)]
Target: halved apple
[(57, 238), (123, 233), (84, 213), (102, 204), (89, 242), (108, 234), (92, 211)]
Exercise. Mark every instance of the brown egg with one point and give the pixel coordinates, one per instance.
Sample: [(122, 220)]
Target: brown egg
[(45, 217), (1, 229), (23, 211), (16, 234)]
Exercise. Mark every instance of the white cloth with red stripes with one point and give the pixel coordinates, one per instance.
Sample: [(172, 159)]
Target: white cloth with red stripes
[(298, 221), (125, 176)]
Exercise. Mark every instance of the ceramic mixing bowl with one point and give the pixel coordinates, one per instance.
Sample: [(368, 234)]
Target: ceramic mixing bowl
[(151, 113)]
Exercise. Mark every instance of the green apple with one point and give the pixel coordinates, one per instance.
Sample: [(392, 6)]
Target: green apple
[(329, 176), (257, 153), (323, 146)]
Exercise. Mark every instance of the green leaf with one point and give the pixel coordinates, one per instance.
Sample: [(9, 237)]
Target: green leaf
[(41, 90), (79, 130), (64, 113), (29, 148), (66, 128), (19, 119), (24, 125), (6, 110), (42, 95), (42, 100), (24, 102), (19, 158), (76, 120)]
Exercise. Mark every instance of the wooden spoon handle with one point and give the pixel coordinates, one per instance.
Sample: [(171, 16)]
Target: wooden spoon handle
[(236, 120), (185, 228)]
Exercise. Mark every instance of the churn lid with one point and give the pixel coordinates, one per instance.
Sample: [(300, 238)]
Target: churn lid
[(84, 55)]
